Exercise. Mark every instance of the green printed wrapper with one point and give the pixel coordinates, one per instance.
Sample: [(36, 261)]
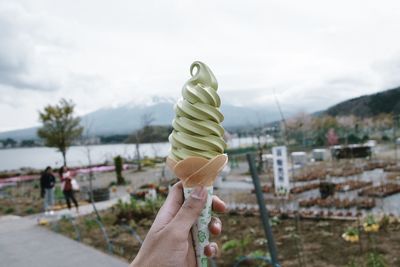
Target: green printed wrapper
[(200, 232)]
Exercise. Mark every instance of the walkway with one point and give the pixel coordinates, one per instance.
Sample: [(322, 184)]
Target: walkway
[(83, 209), (24, 243)]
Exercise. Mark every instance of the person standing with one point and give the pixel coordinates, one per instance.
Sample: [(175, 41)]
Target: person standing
[(47, 183), (67, 186)]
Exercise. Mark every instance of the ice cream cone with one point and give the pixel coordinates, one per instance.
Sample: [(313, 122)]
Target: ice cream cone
[(197, 144), (196, 171)]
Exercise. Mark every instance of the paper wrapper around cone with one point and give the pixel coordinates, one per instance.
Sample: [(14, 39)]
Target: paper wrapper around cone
[(195, 171)]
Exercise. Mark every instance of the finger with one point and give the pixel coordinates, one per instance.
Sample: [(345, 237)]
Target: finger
[(190, 210), (211, 250), (170, 207), (218, 205), (191, 255), (215, 226)]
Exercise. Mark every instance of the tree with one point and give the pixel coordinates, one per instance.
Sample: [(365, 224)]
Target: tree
[(332, 137), (9, 142), (298, 126), (60, 127), (138, 135), (321, 126), (349, 125)]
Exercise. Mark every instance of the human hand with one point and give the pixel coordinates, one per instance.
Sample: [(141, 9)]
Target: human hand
[(169, 241)]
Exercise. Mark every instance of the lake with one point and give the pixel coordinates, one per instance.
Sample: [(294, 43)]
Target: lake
[(40, 157)]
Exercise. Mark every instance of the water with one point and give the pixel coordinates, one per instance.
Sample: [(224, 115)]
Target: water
[(40, 157)]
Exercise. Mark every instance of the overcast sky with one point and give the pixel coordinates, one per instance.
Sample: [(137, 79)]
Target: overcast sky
[(109, 53)]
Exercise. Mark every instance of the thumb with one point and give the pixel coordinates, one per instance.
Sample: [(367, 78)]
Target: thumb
[(190, 210)]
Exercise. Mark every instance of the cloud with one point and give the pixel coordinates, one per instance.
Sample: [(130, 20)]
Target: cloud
[(388, 71), (22, 64), (312, 54)]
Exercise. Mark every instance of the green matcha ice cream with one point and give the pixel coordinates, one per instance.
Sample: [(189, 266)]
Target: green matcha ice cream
[(197, 125)]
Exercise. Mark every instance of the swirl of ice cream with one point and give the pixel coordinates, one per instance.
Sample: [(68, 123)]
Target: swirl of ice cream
[(197, 125)]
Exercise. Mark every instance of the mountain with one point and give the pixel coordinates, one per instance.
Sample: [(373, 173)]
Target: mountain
[(125, 119), (369, 105), (21, 134)]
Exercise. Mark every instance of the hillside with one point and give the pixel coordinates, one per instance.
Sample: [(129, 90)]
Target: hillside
[(125, 119), (369, 105)]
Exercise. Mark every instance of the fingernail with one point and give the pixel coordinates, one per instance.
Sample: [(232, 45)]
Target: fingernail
[(213, 250), (199, 192)]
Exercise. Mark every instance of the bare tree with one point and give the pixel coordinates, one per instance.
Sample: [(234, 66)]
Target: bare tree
[(146, 120), (283, 121), (298, 126), (87, 144)]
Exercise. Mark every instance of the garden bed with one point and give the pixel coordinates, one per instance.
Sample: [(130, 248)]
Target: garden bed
[(381, 190), (346, 171), (351, 185), (392, 168), (304, 188), (24, 199), (337, 203), (377, 164), (314, 242), (310, 173)]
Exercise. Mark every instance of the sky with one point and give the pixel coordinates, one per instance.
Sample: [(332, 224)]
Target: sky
[(98, 53)]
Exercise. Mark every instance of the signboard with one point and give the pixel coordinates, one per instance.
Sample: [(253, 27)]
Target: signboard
[(281, 176)]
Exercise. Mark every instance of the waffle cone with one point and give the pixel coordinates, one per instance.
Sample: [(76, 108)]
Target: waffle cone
[(196, 171)]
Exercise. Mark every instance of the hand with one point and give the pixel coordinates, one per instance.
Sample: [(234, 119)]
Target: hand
[(169, 241)]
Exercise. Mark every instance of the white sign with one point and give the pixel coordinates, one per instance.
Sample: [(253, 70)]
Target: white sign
[(281, 176)]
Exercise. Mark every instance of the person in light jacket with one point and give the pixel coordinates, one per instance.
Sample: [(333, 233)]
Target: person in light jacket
[(66, 184)]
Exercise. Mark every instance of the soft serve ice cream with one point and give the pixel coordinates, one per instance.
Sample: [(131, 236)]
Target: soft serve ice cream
[(197, 125)]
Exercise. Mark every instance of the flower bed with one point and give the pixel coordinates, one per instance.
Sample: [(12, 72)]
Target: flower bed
[(301, 189), (346, 171), (351, 185), (392, 168), (337, 203), (378, 164), (381, 190), (310, 174), (145, 190), (265, 189), (393, 175)]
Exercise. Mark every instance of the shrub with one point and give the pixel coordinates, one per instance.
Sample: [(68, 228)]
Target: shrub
[(137, 209), (326, 189), (375, 259), (118, 170), (148, 162), (90, 224), (29, 211), (9, 210)]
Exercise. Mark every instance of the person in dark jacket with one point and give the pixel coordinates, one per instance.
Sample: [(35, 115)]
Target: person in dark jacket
[(66, 184), (47, 183)]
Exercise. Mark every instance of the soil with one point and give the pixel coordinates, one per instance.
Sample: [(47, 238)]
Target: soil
[(23, 199), (299, 242), (302, 242)]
